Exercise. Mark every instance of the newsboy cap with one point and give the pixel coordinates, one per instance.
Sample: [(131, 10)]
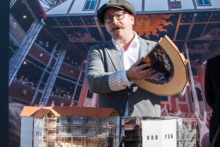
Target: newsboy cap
[(120, 4)]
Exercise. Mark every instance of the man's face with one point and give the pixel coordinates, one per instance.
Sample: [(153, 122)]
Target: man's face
[(119, 23)]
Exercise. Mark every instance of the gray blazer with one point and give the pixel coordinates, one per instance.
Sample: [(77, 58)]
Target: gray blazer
[(103, 60)]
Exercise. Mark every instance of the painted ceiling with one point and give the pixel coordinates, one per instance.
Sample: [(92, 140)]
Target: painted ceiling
[(201, 31)]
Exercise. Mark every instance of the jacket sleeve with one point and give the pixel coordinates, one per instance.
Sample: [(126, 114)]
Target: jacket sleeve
[(98, 80), (209, 94)]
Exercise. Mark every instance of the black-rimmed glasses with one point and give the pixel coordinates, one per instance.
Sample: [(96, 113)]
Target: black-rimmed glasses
[(118, 16)]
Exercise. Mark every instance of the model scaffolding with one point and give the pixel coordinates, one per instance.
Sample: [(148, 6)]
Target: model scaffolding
[(101, 127), (69, 126)]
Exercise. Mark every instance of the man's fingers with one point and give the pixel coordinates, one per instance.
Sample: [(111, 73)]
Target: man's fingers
[(139, 61), (139, 72), (142, 66), (149, 72), (183, 58), (146, 73)]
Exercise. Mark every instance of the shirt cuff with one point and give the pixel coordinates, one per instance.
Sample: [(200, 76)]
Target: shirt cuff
[(118, 81), (124, 78)]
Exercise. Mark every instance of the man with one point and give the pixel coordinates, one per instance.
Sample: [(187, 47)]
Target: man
[(113, 66), (203, 129), (212, 88)]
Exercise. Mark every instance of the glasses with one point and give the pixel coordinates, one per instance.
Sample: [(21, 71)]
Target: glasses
[(118, 16)]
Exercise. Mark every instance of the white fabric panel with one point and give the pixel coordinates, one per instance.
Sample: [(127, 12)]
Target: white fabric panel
[(150, 6), (186, 5), (60, 9), (137, 4), (156, 5), (78, 7)]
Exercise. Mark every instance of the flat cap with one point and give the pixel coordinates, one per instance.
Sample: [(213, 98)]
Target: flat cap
[(120, 4)]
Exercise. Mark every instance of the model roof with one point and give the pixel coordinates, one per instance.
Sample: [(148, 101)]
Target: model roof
[(85, 111), (40, 112), (31, 110)]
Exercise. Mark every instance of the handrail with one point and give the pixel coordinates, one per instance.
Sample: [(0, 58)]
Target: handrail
[(15, 30)]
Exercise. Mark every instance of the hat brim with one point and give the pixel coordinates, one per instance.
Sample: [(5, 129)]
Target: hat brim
[(101, 11), (179, 78), (123, 5)]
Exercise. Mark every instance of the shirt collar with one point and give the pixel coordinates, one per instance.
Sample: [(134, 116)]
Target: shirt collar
[(134, 44)]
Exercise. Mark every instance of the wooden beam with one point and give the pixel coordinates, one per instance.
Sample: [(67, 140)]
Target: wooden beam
[(177, 26)]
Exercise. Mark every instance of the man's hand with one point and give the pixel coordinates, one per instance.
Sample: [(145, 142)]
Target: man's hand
[(183, 58), (137, 72)]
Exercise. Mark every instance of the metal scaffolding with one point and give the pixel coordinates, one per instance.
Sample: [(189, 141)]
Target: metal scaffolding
[(27, 42), (52, 78), (43, 74)]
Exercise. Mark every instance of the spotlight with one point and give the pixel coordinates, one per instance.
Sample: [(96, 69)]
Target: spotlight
[(41, 54), (24, 16)]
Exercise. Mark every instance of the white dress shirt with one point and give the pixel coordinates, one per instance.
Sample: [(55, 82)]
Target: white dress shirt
[(118, 80)]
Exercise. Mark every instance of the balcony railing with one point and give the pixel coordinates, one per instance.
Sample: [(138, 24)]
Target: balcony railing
[(16, 32)]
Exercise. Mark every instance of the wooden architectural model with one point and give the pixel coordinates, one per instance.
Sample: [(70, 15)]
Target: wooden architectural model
[(69, 126)]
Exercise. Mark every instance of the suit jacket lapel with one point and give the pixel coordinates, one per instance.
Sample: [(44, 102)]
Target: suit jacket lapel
[(146, 46), (113, 54)]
